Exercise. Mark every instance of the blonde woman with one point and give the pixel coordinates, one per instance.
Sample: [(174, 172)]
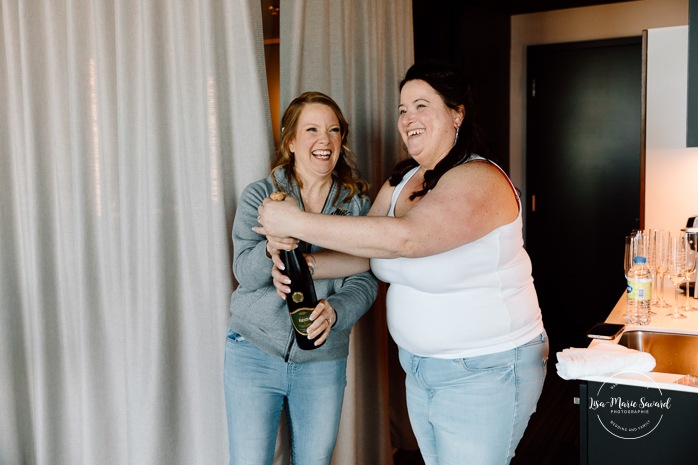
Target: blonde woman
[(265, 370)]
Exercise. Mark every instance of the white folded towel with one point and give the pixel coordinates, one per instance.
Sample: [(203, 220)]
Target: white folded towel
[(602, 358)]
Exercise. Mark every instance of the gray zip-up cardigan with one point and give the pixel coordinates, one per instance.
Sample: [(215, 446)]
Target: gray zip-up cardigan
[(258, 314)]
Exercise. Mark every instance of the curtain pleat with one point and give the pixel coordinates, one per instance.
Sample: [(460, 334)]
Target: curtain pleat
[(127, 131), (356, 52), (330, 46)]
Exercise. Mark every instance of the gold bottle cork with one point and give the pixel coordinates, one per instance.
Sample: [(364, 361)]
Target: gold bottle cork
[(277, 195)]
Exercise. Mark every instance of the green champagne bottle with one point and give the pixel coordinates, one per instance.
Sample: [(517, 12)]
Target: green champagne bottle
[(302, 300)]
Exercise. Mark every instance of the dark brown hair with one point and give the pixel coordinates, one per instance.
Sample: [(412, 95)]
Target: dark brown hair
[(456, 92)]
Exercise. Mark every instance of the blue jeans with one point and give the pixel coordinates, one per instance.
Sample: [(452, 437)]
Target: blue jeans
[(258, 385), (474, 410)]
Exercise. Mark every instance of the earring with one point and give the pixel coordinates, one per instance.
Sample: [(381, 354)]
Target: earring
[(457, 129)]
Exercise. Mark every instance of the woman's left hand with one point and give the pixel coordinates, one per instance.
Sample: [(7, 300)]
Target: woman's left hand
[(276, 217), (323, 318)]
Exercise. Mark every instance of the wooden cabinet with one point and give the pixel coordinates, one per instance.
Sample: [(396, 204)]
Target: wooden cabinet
[(692, 113)]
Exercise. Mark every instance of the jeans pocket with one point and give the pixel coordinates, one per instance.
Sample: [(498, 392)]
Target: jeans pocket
[(491, 362), (536, 351), (234, 337)]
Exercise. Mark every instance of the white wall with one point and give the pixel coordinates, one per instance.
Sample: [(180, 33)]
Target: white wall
[(671, 181), (578, 24)]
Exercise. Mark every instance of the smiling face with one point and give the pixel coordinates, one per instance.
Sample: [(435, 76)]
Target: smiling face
[(317, 142), (426, 124)]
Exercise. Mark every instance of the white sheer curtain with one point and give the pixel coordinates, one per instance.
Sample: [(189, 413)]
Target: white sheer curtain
[(356, 52), (127, 128)]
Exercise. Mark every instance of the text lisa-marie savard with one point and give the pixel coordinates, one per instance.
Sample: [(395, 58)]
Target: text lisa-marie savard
[(622, 404)]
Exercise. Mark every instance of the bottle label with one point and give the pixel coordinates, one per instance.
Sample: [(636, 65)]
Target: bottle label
[(639, 289), (300, 318)]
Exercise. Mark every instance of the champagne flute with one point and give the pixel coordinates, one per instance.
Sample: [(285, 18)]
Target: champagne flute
[(691, 240), (629, 253), (652, 263), (676, 264), (661, 250)]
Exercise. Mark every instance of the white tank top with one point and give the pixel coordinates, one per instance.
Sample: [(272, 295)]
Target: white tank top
[(473, 300)]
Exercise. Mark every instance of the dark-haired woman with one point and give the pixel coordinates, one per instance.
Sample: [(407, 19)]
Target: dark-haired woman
[(446, 233), (265, 371)]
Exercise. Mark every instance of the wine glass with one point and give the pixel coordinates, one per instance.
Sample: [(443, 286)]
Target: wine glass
[(691, 241), (652, 262), (676, 265), (629, 253), (661, 248)]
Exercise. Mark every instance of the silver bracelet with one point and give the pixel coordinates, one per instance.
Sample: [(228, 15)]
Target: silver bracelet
[(311, 264)]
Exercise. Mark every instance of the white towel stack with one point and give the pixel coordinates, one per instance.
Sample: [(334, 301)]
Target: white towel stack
[(602, 358)]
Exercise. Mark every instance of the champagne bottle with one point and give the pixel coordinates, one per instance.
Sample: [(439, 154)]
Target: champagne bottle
[(302, 300)]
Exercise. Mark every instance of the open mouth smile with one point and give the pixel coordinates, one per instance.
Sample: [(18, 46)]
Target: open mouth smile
[(322, 154)]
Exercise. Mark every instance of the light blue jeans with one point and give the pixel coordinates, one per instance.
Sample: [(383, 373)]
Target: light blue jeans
[(474, 410), (258, 385)]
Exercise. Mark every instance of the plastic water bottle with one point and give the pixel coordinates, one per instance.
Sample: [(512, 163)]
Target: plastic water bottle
[(637, 311)]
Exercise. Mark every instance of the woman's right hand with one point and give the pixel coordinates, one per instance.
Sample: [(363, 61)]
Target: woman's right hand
[(274, 247), (281, 281), (276, 216)]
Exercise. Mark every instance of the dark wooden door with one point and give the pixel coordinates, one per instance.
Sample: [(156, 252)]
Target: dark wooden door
[(583, 157)]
